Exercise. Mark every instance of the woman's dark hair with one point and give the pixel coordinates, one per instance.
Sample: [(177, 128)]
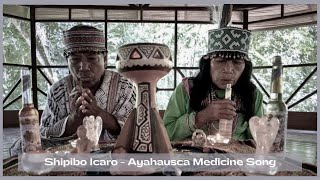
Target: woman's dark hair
[(244, 88)]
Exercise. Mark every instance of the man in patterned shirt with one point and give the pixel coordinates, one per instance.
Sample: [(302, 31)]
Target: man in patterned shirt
[(88, 90)]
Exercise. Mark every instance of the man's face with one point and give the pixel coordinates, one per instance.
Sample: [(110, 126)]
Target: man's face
[(87, 68), (225, 71)]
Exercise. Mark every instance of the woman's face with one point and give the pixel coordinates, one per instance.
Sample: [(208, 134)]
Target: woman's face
[(225, 71)]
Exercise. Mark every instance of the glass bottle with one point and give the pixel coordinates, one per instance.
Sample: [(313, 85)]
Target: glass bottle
[(276, 107), (28, 117), (225, 126)]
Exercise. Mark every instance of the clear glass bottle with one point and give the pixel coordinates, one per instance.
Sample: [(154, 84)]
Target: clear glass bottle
[(276, 107), (29, 117), (225, 126)]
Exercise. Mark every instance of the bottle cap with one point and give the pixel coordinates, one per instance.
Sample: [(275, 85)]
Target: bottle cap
[(228, 86), (277, 61)]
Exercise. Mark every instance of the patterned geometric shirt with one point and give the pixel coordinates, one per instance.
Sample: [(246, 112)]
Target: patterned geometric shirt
[(115, 95)]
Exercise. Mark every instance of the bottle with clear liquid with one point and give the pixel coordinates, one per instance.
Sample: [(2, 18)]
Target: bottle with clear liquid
[(29, 117), (225, 126), (276, 107)]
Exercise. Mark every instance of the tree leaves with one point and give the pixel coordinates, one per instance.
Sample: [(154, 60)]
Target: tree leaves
[(296, 45)]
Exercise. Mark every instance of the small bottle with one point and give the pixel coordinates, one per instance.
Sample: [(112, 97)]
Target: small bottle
[(29, 118), (276, 107), (225, 126)]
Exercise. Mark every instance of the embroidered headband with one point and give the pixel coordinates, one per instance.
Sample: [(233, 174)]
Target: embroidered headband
[(83, 38), (229, 42)]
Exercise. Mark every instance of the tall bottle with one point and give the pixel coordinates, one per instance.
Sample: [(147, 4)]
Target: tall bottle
[(276, 107), (28, 117), (225, 126)]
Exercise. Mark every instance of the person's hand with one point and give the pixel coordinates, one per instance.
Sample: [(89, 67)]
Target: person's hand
[(219, 109), (90, 107), (76, 100), (89, 104)]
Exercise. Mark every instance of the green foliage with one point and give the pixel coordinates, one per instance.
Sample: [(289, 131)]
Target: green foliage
[(16, 51), (295, 45), (192, 43)]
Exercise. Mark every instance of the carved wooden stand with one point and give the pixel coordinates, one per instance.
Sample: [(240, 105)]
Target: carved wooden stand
[(145, 64)]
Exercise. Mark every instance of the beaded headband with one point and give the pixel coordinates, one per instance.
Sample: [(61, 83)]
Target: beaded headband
[(83, 39), (229, 42)]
